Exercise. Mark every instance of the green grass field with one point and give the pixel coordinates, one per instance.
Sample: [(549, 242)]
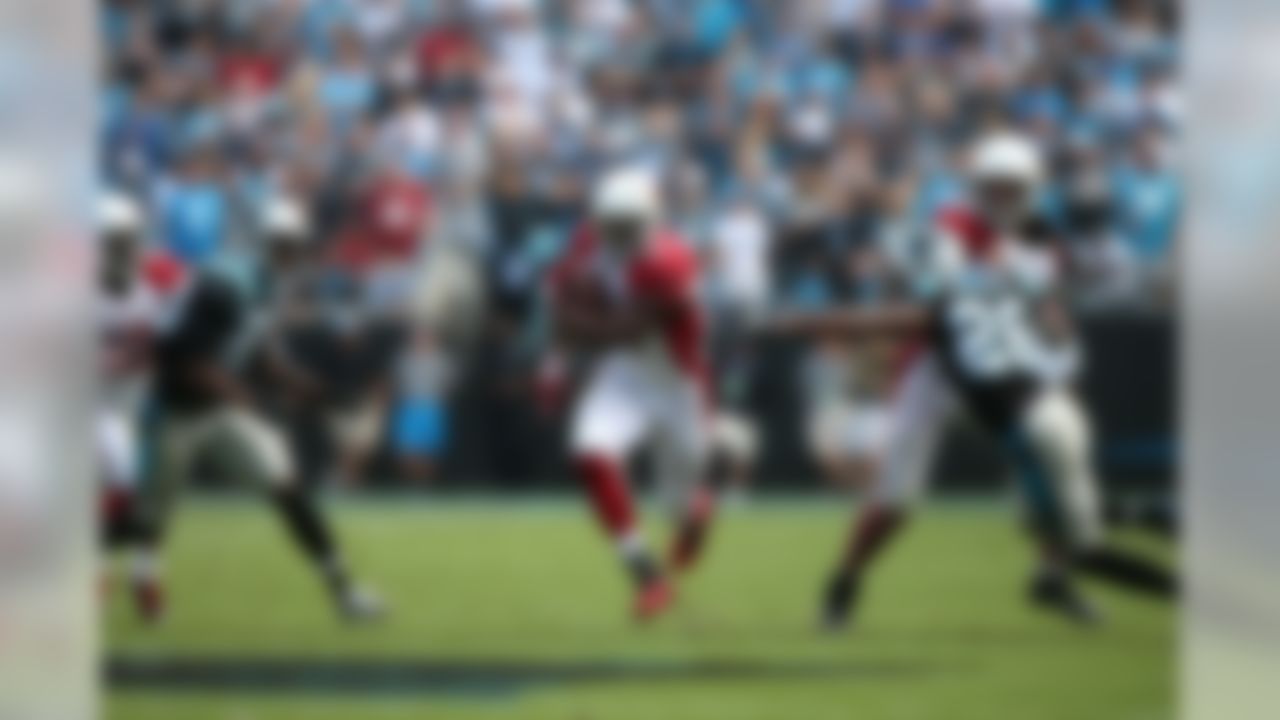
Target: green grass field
[(519, 611)]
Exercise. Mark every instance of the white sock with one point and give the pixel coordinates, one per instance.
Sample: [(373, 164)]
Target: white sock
[(631, 546), (145, 567)]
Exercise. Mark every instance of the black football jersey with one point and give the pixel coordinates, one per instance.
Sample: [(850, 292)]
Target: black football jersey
[(201, 329)]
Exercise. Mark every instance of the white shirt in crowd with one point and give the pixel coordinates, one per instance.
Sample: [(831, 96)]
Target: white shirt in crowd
[(739, 244)]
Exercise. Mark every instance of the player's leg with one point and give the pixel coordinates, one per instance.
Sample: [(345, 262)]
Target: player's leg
[(609, 422), (735, 449), (825, 436), (118, 469), (918, 414), (168, 450), (1059, 436), (682, 445), (1050, 523), (253, 449), (120, 527)]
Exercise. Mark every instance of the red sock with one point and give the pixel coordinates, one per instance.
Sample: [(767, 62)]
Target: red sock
[(148, 598), (606, 486), (693, 530)]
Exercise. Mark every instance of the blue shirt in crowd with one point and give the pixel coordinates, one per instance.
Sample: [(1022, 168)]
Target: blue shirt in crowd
[(193, 220)]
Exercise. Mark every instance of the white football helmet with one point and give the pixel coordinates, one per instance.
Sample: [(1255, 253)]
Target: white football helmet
[(1006, 171), (626, 208), (627, 195), (1007, 157)]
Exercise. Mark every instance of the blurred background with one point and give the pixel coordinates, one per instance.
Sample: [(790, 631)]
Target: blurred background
[(441, 153), (442, 150)]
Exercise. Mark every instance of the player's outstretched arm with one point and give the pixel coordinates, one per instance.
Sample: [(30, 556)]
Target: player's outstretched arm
[(885, 320), (217, 381), (286, 369)]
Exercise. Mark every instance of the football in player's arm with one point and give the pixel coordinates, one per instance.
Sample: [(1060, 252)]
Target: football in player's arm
[(585, 319), (586, 316)]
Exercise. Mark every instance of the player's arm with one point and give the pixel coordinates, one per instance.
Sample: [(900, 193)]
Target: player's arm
[(892, 320), (216, 379), (665, 293), (577, 308), (285, 368), (597, 325), (129, 354)]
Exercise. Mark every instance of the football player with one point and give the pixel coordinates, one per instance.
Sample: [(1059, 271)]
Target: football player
[(131, 290), (992, 338), (626, 292), (200, 410)]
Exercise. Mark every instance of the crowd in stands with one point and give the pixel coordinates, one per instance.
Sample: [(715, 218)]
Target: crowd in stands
[(444, 149)]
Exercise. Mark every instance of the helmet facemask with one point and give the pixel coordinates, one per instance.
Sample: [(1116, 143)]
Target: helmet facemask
[(1007, 203), (622, 235), (626, 210), (1005, 173)]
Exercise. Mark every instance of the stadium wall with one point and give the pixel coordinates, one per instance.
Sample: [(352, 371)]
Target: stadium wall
[(502, 441)]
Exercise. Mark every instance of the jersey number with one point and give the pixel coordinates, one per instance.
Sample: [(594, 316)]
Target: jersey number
[(990, 335)]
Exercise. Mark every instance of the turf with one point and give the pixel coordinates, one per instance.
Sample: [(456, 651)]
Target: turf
[(518, 611)]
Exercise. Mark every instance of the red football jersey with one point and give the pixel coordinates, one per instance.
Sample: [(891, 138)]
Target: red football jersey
[(663, 274)]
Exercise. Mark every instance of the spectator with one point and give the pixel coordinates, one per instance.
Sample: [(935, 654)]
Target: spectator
[(356, 371), (420, 417), (1106, 267), (846, 388), (443, 147), (193, 207), (738, 259), (346, 86), (1150, 199)]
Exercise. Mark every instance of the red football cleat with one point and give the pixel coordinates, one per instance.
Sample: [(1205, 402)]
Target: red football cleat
[(654, 599), (148, 599)]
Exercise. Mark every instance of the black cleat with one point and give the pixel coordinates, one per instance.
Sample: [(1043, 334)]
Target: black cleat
[(1058, 595), (840, 602)]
